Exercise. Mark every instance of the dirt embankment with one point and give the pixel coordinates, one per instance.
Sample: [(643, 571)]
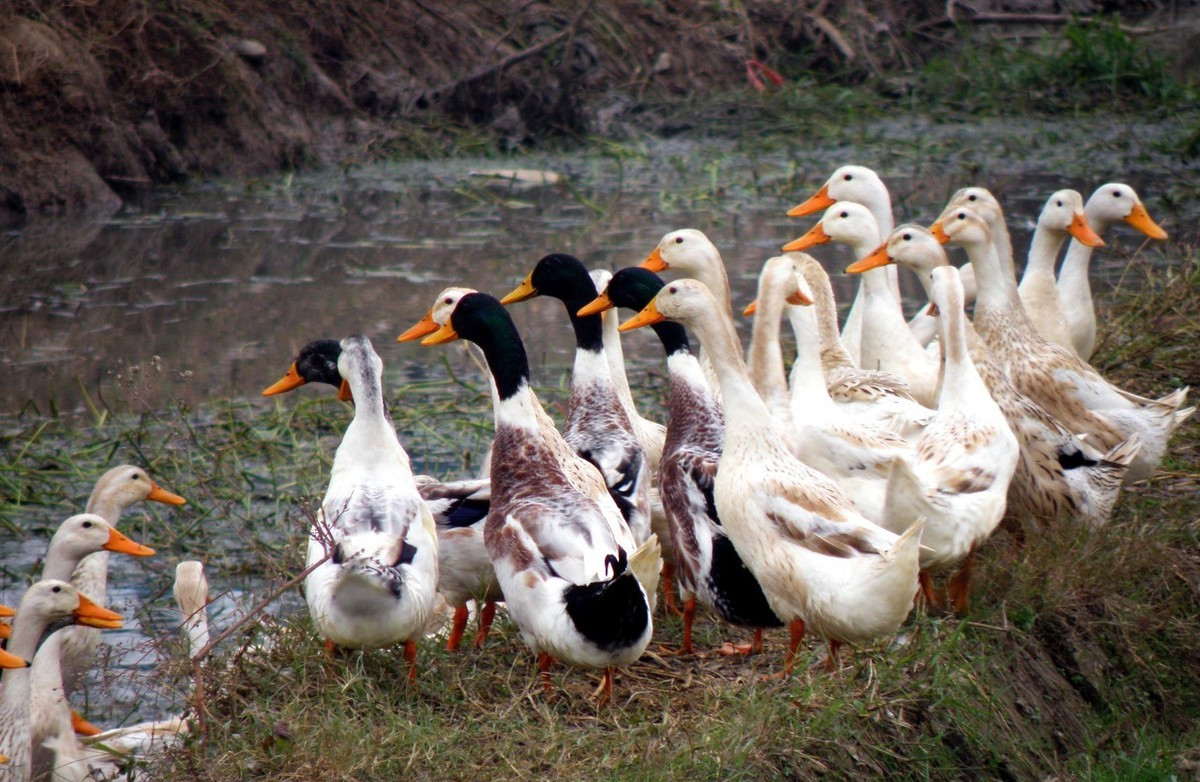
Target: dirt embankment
[(99, 99)]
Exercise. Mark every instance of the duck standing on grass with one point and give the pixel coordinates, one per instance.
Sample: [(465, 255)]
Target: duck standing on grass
[(572, 580), (377, 584), (822, 566), (708, 566)]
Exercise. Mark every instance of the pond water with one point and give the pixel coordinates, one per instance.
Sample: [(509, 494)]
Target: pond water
[(207, 292)]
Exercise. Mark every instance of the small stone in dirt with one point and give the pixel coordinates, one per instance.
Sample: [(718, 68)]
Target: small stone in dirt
[(249, 50)]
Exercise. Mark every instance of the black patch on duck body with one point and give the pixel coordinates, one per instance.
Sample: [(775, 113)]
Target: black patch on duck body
[(737, 597), (466, 512), (1074, 460), (613, 613)]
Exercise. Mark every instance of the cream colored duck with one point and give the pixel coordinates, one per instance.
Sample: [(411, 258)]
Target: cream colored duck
[(709, 567), (43, 604), (1070, 390), (868, 395), (965, 458), (376, 586), (856, 454), (75, 539), (116, 491), (597, 426), (822, 566), (860, 185), (1057, 475), (1062, 214), (885, 342), (458, 507), (572, 579), (1111, 203)]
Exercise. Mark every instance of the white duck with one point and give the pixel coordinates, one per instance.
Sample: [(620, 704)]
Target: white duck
[(572, 580), (708, 565), (1070, 390), (376, 587), (1061, 214), (965, 458), (856, 454), (885, 342), (822, 566), (1111, 203), (458, 507), (43, 604), (1057, 475), (863, 394), (116, 491)]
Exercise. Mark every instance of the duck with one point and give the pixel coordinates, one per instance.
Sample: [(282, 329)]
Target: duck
[(708, 566), (823, 567), (117, 490), (1062, 214), (1058, 476), (575, 583), (76, 538), (459, 508), (650, 434), (1111, 203), (855, 454), (689, 252), (965, 458), (190, 591), (870, 395), (597, 425), (1068, 388), (44, 604), (885, 342), (373, 549)]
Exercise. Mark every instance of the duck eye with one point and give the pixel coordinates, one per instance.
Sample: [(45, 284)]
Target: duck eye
[(907, 237), (1116, 194), (845, 214), (848, 177), (678, 240), (56, 590), (135, 476), (962, 215), (672, 289), (972, 197), (87, 525), (1058, 203)]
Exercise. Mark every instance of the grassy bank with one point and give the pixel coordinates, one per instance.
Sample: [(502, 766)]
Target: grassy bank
[(1080, 658)]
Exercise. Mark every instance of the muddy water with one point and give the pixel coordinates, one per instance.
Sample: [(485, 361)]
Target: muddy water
[(206, 293)]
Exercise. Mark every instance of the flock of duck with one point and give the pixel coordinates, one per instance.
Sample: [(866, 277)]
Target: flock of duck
[(827, 498)]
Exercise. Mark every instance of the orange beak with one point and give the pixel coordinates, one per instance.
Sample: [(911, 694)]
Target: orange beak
[(289, 381), (159, 494), (522, 292), (82, 727), (654, 262), (932, 310), (877, 258), (6, 611), (1139, 218), (92, 615), (1083, 232), (816, 235), (596, 306), (751, 308), (648, 316), (5, 631), (123, 545), (441, 336), (9, 660), (939, 233), (798, 298), (344, 394), (820, 200), (426, 326)]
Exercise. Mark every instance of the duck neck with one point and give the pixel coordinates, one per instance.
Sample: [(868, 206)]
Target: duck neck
[(833, 352), (996, 288), (60, 563), (765, 362), (745, 411), (616, 360), (1074, 272), (512, 400), (808, 377), (1043, 251), (1002, 244), (589, 329)]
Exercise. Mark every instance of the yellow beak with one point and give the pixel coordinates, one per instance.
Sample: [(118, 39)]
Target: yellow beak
[(648, 316), (522, 292)]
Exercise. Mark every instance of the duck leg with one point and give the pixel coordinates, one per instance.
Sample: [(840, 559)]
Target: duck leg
[(668, 586), (754, 647), (796, 633), (603, 693), (832, 663), (959, 587), (410, 654), (689, 616), (932, 599), (456, 630), (544, 663), (486, 615)]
